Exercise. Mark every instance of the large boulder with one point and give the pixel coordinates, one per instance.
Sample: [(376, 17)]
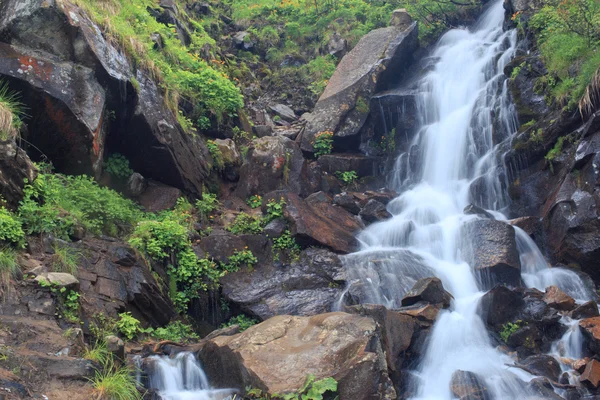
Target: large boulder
[(70, 77), (428, 290), (315, 221), (15, 167), (344, 105), (277, 355), (312, 285), (590, 328), (491, 249), (274, 162), (467, 385)]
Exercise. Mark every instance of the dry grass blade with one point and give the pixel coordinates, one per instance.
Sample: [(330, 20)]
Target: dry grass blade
[(591, 100)]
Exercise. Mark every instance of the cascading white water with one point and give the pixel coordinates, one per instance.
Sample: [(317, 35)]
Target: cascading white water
[(464, 110), (181, 378)]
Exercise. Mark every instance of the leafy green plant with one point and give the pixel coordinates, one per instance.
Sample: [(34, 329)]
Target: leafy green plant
[(207, 204), (215, 153), (128, 325), (312, 389), (65, 259), (323, 143), (67, 299), (102, 326), (275, 209), (8, 268), (175, 331), (11, 230), (348, 177), (509, 328), (239, 259), (117, 165), (243, 321), (286, 244), (11, 111), (245, 223), (254, 201)]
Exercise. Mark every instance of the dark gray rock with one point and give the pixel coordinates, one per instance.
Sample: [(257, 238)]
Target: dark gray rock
[(347, 202), (15, 167), (374, 211), (429, 290), (542, 365), (344, 162), (275, 228), (284, 112), (586, 310), (136, 185), (262, 130)]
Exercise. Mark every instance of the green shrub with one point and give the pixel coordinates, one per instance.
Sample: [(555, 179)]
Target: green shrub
[(245, 223), (175, 331), (215, 153), (118, 166), (129, 326), (275, 209), (207, 204), (243, 321), (323, 143), (348, 177), (254, 201), (239, 259), (11, 230), (286, 244)]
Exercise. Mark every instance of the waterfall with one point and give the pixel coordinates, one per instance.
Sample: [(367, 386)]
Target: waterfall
[(464, 112), (181, 378)]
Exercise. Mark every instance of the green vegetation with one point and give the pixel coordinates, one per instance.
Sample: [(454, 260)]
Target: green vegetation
[(568, 33), (274, 210), (323, 143), (115, 382), (207, 204), (312, 389), (245, 223), (98, 353), (11, 111), (243, 321), (175, 331), (215, 153), (254, 201), (348, 177), (67, 299), (65, 259), (286, 244), (555, 151), (8, 268), (11, 231), (128, 325), (118, 166), (239, 259), (180, 69), (509, 328), (55, 204)]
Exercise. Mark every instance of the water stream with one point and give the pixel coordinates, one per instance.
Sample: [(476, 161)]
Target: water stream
[(464, 111)]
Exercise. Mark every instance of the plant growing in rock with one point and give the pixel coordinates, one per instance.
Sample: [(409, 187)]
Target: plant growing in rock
[(97, 352), (67, 299), (8, 268), (239, 259), (254, 201), (11, 230), (129, 326), (65, 259), (11, 111), (509, 328), (115, 382), (243, 321), (245, 223), (323, 143), (286, 244), (118, 166), (215, 153), (207, 204), (348, 177), (175, 331), (312, 389), (275, 209)]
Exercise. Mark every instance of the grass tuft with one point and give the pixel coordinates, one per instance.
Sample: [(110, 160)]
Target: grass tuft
[(115, 383), (8, 269), (11, 110), (65, 259)]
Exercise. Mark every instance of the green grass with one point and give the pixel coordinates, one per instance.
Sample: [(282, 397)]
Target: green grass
[(115, 383), (11, 111), (65, 259), (8, 268), (97, 353)]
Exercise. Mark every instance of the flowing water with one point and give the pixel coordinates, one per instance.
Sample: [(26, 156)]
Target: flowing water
[(181, 378), (464, 111)]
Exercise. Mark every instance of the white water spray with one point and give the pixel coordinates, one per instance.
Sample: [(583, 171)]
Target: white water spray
[(464, 111)]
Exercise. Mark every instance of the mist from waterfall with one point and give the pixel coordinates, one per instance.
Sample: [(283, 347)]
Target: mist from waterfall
[(464, 111)]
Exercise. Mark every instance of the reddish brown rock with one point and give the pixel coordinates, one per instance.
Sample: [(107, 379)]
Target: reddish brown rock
[(558, 299), (579, 365), (424, 312), (590, 327), (591, 375)]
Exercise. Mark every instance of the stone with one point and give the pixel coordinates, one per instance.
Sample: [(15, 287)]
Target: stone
[(590, 328), (284, 112), (543, 389), (422, 311), (116, 346), (347, 202), (472, 209), (344, 105), (243, 40), (374, 211), (262, 130), (159, 197), (136, 185), (309, 286), (345, 162), (586, 310), (429, 290), (273, 163), (60, 279), (275, 228), (401, 18), (500, 305), (318, 223), (62, 367), (531, 225), (591, 375), (337, 45), (232, 160), (469, 386), (227, 331), (558, 299), (42, 306), (542, 365), (15, 168), (492, 251), (579, 365), (339, 345)]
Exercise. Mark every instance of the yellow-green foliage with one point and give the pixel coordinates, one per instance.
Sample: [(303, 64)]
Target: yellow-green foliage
[(10, 111), (179, 68)]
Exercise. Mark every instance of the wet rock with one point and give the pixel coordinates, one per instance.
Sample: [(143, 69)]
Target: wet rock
[(591, 375), (590, 328), (472, 209), (318, 222), (492, 252), (347, 202), (374, 211), (273, 162), (579, 365), (232, 160), (526, 339), (136, 185), (423, 312), (15, 168), (542, 365), (429, 290), (500, 305), (159, 197), (543, 388), (284, 112), (60, 279), (310, 286), (529, 103), (339, 345), (397, 330), (469, 386), (275, 228), (344, 105), (344, 162), (558, 299), (227, 331), (531, 225), (116, 346), (586, 310)]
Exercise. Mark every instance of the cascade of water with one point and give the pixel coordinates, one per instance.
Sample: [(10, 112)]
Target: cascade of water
[(181, 378), (464, 111)]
